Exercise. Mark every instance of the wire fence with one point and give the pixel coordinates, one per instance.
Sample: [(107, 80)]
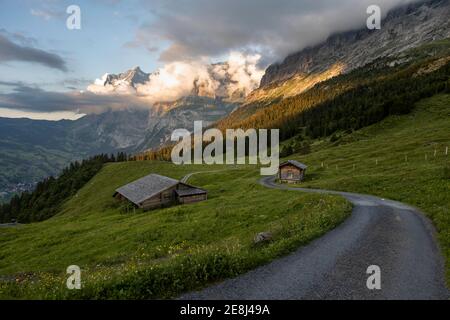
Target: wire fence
[(436, 156)]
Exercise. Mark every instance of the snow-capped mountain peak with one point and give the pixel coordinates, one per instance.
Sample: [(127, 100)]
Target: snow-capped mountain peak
[(232, 80)]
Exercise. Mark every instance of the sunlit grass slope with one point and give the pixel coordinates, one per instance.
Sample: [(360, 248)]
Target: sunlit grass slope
[(401, 158), (126, 254), (133, 254)]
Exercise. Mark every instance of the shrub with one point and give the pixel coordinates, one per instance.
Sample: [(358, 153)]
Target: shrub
[(447, 172)]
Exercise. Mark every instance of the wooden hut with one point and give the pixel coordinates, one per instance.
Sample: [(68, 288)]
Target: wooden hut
[(291, 171), (156, 191)]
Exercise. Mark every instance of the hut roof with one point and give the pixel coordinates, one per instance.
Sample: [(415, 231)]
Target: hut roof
[(146, 187), (295, 163), (190, 192)]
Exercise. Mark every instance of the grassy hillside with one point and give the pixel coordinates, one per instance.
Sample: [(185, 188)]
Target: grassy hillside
[(395, 159), (127, 254)]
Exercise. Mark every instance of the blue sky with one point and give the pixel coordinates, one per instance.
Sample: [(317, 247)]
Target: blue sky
[(99, 47)]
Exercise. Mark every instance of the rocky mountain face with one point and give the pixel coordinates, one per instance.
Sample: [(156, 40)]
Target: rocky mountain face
[(182, 114), (129, 78), (212, 95), (403, 28), (135, 130), (122, 83)]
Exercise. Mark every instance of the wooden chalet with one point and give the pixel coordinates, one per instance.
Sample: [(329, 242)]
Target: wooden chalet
[(291, 171), (156, 191)]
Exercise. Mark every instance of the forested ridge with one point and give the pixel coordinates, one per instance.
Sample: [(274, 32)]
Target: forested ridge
[(348, 102)]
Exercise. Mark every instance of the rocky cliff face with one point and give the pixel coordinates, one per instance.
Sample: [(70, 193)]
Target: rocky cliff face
[(212, 93), (403, 28), (122, 83), (136, 130), (182, 114)]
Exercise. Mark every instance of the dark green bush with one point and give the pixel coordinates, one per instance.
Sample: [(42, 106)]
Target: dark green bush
[(447, 172)]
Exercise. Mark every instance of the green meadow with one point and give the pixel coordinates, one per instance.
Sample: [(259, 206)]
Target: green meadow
[(401, 158), (127, 253)]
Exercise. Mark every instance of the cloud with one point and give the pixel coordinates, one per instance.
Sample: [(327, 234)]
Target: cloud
[(49, 9), (46, 14), (201, 28), (11, 83), (74, 83), (238, 76), (52, 116), (234, 78), (19, 37), (187, 34), (11, 51), (34, 99)]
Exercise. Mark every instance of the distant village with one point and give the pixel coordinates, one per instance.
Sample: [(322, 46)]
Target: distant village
[(6, 192)]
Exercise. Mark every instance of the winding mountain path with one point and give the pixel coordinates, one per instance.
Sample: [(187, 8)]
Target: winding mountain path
[(188, 176), (9, 225), (389, 234)]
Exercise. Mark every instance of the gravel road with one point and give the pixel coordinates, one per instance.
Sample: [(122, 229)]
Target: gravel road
[(394, 236)]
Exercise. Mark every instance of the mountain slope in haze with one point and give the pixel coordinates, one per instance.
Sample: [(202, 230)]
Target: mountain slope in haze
[(31, 150), (403, 28), (135, 130)]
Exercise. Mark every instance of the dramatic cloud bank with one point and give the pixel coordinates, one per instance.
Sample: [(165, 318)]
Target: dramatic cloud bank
[(233, 79), (201, 28), (32, 99), (236, 77), (187, 35), (12, 51)]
